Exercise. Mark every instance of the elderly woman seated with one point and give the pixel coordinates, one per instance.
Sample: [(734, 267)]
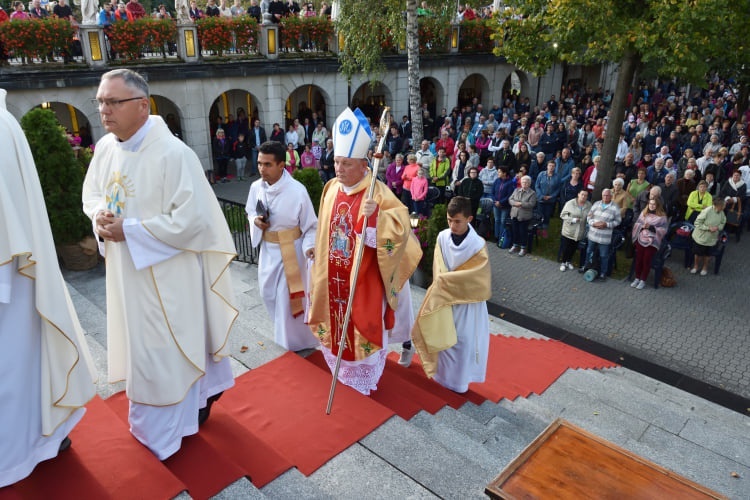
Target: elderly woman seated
[(648, 231)]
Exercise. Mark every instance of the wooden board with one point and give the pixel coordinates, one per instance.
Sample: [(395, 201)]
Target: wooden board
[(567, 462)]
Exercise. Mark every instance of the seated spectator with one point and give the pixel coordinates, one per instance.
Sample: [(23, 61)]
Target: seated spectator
[(685, 186), (603, 217), (708, 225), (648, 231), (734, 190), (573, 214), (698, 201), (641, 202), (522, 203)]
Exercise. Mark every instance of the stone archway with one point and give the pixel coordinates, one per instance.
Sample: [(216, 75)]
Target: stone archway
[(232, 108), (474, 86), (307, 101), (371, 99), (73, 119), (169, 111), (431, 92)]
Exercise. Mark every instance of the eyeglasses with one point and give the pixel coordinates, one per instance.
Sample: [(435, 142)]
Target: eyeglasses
[(114, 103)]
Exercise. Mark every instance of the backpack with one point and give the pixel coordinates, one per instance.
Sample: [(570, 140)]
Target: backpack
[(506, 239), (667, 278)]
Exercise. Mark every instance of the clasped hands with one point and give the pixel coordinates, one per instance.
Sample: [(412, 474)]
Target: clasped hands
[(109, 227)]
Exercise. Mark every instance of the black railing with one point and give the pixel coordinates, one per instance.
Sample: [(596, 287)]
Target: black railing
[(238, 225)]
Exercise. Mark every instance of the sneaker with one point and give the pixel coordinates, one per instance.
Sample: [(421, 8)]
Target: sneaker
[(513, 249), (563, 267), (694, 270), (570, 266), (635, 283), (703, 272), (602, 278), (406, 355), (641, 285), (522, 252)]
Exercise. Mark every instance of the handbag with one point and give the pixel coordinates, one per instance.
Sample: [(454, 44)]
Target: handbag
[(734, 216)]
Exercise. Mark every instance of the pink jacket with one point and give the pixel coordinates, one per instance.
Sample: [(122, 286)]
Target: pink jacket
[(419, 187)]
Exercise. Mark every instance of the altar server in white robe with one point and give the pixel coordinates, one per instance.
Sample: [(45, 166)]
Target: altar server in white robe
[(46, 371), (452, 330), (167, 248), (283, 222)]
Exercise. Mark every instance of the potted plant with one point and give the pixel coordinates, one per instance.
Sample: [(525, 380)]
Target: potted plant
[(427, 229), (61, 176)]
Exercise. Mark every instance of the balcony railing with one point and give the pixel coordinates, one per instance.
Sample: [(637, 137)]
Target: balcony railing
[(52, 40)]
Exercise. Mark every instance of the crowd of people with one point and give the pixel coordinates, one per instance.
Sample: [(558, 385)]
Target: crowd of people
[(677, 153)]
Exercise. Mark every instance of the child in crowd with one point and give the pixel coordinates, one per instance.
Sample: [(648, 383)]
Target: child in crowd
[(452, 332), (419, 188)]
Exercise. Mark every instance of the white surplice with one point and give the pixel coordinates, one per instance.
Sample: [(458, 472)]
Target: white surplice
[(289, 206), (466, 361), (169, 293), (46, 372)]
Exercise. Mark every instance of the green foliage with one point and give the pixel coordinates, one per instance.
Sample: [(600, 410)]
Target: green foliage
[(35, 37), (131, 39), (437, 221), (310, 178), (236, 218), (306, 33), (60, 174)]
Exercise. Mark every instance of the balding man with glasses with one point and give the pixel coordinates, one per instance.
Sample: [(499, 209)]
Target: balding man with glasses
[(167, 249)]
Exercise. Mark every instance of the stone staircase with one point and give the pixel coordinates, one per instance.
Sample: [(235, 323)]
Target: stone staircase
[(455, 453)]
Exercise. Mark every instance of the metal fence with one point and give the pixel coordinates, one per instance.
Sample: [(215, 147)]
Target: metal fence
[(238, 225)]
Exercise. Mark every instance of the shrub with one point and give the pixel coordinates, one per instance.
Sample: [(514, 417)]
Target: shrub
[(60, 174), (35, 37), (215, 33), (131, 39), (310, 178), (435, 223)]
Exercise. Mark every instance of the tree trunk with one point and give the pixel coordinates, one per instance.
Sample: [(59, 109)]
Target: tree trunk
[(606, 171), (412, 52)]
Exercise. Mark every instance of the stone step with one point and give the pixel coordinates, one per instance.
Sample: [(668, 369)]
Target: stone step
[(291, 484), (438, 469), (459, 433), (242, 488)]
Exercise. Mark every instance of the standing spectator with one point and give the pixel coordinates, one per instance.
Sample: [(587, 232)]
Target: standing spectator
[(136, 10), (327, 167), (410, 172), (257, 136), (440, 172), (170, 300), (237, 9), (574, 215), (522, 203), (307, 158), (697, 201), (37, 11), (18, 12), (254, 10), (292, 158), (195, 12), (547, 194), (393, 175), (501, 191), (471, 188), (212, 10), (419, 187), (706, 234), (222, 149), (602, 219), (239, 153), (648, 231)]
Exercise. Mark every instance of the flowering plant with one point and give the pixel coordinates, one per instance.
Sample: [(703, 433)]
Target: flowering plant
[(131, 39), (215, 33), (433, 35), (312, 33), (421, 230), (246, 33), (30, 38), (476, 35)]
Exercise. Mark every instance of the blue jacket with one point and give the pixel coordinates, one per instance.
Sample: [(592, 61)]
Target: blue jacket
[(547, 186), (502, 189)]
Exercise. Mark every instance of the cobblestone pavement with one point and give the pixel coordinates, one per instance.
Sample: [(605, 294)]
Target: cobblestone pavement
[(700, 328)]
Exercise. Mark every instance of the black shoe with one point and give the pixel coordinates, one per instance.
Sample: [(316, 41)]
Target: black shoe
[(204, 412), (602, 278), (64, 444)]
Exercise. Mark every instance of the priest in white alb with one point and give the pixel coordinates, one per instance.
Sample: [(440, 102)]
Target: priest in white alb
[(46, 372), (282, 221), (167, 246)]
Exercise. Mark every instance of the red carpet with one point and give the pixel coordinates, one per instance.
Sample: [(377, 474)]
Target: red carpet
[(105, 461), (274, 419), (284, 403)]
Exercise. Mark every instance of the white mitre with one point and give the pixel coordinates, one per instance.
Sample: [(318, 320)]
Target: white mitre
[(351, 134)]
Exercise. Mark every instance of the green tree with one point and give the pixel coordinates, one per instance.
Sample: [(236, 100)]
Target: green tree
[(680, 38), (370, 31), (60, 174)]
